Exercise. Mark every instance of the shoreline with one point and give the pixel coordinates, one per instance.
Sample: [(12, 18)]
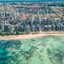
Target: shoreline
[(28, 36)]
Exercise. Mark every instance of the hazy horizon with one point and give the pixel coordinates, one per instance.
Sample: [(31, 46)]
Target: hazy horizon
[(31, 0)]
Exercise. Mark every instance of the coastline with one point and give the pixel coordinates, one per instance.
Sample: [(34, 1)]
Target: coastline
[(28, 36)]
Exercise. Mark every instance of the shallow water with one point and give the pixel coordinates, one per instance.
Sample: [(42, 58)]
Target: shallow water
[(44, 50)]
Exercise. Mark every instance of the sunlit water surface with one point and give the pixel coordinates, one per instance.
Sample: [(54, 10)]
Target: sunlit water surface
[(43, 50)]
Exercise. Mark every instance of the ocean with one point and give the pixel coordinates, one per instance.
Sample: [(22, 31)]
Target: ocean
[(42, 50)]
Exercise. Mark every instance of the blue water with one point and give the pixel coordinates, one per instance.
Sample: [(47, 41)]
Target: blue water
[(31, 0)]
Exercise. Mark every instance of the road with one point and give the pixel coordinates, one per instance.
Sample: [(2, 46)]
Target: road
[(59, 13)]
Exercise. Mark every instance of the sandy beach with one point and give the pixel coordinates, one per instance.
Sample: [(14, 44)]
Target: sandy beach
[(27, 36)]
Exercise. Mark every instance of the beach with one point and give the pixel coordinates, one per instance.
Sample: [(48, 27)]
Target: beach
[(28, 36)]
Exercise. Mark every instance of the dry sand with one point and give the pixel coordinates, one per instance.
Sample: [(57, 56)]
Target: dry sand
[(27, 36)]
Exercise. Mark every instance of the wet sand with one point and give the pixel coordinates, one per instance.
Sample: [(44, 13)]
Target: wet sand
[(27, 36)]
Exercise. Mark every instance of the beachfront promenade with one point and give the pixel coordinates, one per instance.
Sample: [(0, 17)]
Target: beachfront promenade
[(28, 36)]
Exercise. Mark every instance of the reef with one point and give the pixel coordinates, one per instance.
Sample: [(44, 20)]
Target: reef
[(42, 50)]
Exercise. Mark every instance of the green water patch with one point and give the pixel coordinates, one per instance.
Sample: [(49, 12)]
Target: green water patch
[(42, 50)]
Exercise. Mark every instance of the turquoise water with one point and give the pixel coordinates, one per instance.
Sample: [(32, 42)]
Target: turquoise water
[(43, 50)]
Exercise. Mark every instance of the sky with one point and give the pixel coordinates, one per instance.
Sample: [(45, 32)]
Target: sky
[(31, 0)]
